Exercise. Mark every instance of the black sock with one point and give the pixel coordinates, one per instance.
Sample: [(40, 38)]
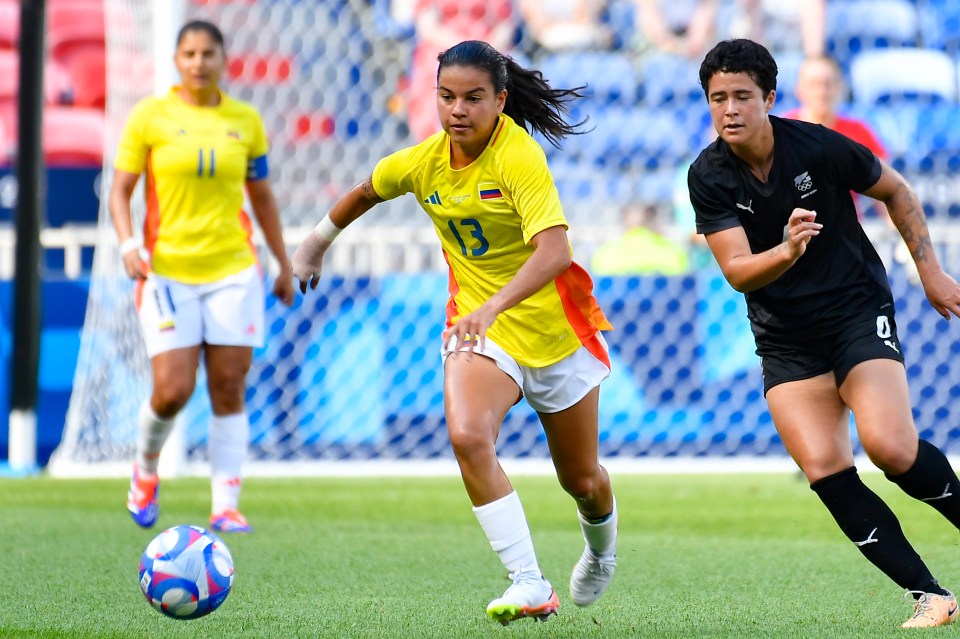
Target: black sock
[(932, 480), (870, 524)]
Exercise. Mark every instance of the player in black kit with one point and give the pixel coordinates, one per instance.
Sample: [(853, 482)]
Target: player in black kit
[(772, 197)]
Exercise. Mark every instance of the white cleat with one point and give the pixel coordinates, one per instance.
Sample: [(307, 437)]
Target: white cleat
[(590, 577), (527, 597)]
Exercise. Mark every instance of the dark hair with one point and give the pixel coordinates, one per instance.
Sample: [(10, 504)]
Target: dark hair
[(740, 56), (202, 25), (530, 100)]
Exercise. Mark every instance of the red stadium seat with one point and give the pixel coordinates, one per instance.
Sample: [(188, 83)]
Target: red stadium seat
[(75, 25), (9, 24), (86, 76), (73, 136), (76, 42)]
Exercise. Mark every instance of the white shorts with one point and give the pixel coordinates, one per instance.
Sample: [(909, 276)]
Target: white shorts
[(549, 389), (228, 312)]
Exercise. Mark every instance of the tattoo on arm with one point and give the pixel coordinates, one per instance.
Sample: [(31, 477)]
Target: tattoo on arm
[(366, 188), (911, 222)]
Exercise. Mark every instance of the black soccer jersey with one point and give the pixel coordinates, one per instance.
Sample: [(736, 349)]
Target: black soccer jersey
[(813, 168)]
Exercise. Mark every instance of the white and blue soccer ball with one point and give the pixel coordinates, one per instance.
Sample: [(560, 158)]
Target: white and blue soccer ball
[(186, 572)]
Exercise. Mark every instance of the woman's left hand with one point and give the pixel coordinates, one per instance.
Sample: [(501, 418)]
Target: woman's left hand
[(283, 286), (470, 331), (943, 292)]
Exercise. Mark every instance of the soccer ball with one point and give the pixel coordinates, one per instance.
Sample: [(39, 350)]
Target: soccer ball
[(186, 572)]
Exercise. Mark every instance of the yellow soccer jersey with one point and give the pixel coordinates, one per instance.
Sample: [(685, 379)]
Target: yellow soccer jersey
[(196, 160), (485, 215)]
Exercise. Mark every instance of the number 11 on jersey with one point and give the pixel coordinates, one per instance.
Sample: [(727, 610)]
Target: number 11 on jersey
[(212, 162)]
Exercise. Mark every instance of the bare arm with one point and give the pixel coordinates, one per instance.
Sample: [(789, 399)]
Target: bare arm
[(907, 215), (813, 18), (120, 193), (268, 217), (307, 260), (550, 258), (747, 271)]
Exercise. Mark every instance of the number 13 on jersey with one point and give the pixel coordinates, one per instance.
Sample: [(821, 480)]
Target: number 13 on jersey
[(476, 232)]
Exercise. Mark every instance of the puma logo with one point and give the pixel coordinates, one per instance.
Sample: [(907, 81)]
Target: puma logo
[(746, 207), (869, 540), (946, 493)]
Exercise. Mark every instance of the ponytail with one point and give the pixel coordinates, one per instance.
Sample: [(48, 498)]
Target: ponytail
[(531, 102)]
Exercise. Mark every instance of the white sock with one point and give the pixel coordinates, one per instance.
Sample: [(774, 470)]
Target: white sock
[(151, 436), (227, 449), (506, 528), (601, 538)]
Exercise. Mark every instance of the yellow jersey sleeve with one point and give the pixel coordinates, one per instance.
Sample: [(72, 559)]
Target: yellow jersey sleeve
[(397, 173), (134, 146), (527, 178)]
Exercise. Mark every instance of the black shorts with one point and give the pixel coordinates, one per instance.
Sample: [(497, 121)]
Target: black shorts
[(838, 348)]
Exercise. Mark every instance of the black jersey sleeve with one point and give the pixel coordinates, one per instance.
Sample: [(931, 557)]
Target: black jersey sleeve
[(712, 208), (854, 165)]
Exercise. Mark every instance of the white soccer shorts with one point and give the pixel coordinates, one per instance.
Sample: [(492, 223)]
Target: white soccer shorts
[(549, 389), (228, 312)]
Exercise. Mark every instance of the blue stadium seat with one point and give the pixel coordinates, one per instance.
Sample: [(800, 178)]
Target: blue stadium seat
[(920, 138), (858, 25), (940, 25), (788, 68), (632, 138), (670, 80), (621, 18), (903, 74), (609, 76)]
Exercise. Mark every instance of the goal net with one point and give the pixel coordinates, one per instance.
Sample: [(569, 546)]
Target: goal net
[(351, 372)]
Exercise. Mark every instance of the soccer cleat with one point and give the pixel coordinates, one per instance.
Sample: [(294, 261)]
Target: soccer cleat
[(527, 597), (932, 610), (142, 498), (590, 577), (229, 521)]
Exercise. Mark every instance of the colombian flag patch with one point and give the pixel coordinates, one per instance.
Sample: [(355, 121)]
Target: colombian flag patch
[(490, 191)]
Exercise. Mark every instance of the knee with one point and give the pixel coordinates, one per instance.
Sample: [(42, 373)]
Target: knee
[(890, 456), (470, 439), (582, 486), (227, 393), (168, 398)]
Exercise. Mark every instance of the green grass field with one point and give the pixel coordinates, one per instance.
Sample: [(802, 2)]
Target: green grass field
[(700, 556)]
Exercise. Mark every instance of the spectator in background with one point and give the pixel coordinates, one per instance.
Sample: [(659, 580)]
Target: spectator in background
[(562, 25), (440, 24), (680, 27), (820, 89), (785, 25), (642, 249)]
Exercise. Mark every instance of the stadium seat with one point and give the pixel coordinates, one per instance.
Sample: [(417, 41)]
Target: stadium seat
[(940, 25), (788, 68), (83, 76), (628, 138), (907, 74), (73, 136), (9, 24), (670, 80), (73, 26), (859, 25), (609, 76)]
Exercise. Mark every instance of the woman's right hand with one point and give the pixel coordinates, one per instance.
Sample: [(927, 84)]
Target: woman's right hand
[(801, 228), (134, 265), (307, 260)]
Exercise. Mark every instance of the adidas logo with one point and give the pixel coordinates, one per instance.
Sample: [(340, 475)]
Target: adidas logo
[(434, 199)]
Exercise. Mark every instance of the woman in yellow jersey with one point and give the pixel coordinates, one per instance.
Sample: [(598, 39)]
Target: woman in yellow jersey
[(200, 288), (521, 316)]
